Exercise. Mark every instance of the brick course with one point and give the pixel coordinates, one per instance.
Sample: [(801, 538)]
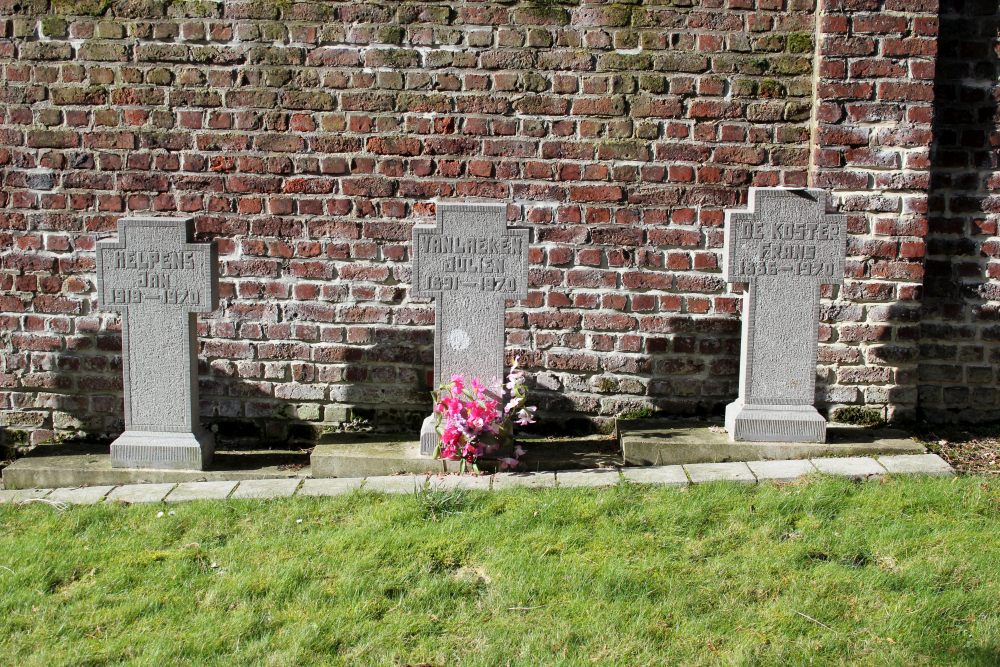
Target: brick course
[(308, 138)]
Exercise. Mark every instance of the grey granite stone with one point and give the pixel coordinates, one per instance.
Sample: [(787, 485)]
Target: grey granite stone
[(332, 486), (467, 482), (511, 480), (158, 280), (592, 477), (668, 475), (395, 483), (201, 491), (719, 472), (471, 263), (857, 467), (140, 493), (926, 464), (266, 488), (83, 495), (669, 442), (780, 471), (20, 495), (785, 246)]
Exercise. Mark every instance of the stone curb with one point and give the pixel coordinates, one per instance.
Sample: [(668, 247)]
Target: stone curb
[(854, 467)]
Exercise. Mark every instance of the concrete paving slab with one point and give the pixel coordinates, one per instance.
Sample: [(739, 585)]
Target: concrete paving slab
[(926, 464), (780, 471), (329, 486), (469, 482), (68, 466), (857, 467), (140, 493), (512, 480), (667, 442), (266, 488), (592, 477), (201, 491), (395, 483), (83, 495), (373, 455), (20, 495), (720, 472), (667, 475)]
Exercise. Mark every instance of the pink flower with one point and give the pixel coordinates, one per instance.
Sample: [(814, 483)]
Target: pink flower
[(509, 463), (457, 384), (525, 416), (478, 388)]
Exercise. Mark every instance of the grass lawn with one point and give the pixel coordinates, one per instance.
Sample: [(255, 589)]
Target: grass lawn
[(904, 571)]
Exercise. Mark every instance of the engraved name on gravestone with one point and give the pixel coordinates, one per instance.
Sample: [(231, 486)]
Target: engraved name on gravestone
[(158, 280), (471, 263), (785, 245)]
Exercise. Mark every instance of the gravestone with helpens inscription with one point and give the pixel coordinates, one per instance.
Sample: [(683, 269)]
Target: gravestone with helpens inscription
[(158, 280), (785, 246), (471, 263)]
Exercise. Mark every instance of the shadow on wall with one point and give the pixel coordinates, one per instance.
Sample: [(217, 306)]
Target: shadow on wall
[(960, 318)]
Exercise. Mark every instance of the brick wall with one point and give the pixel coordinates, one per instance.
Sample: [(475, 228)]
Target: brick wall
[(960, 323), (307, 138), (874, 108)]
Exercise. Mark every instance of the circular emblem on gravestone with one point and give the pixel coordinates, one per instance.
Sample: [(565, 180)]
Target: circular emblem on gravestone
[(458, 339)]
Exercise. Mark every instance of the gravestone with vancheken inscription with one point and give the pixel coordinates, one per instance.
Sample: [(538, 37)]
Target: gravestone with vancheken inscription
[(471, 263), (785, 246), (158, 280)]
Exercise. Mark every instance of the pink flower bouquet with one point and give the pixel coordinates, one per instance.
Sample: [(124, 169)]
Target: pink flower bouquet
[(476, 420)]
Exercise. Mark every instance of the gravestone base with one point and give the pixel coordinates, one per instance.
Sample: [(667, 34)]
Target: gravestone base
[(673, 442), (162, 450), (429, 437), (774, 423), (89, 464)]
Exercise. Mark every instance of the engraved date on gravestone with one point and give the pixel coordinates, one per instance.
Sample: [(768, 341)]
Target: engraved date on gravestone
[(793, 248), (164, 277), (476, 264)]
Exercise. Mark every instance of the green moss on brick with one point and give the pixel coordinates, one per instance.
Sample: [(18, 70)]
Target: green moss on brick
[(390, 34), (858, 416), (771, 88), (54, 26), (80, 7), (799, 42)]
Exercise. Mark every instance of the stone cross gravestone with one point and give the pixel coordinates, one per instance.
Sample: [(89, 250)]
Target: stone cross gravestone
[(158, 280), (785, 246), (471, 263)]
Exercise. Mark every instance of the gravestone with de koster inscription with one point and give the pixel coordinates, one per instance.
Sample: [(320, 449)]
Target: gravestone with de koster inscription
[(785, 246)]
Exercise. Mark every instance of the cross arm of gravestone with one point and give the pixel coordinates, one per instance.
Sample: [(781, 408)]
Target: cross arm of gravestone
[(785, 231)]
